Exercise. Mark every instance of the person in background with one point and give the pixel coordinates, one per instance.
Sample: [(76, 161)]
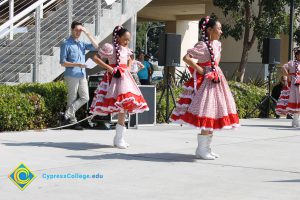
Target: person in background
[(289, 100), (144, 73), (136, 66), (276, 91), (151, 69), (72, 57)]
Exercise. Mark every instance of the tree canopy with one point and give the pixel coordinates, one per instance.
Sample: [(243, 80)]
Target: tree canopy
[(154, 29), (251, 20)]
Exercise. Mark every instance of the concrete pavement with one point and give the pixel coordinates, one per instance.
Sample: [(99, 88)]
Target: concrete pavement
[(260, 160)]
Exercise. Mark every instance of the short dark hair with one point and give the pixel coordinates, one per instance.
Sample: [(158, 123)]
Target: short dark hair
[(75, 23), (142, 52)]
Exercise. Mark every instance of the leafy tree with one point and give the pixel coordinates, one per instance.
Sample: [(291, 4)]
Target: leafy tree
[(252, 20), (152, 36), (140, 34)]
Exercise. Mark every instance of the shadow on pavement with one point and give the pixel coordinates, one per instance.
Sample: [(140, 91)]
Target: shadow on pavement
[(63, 145), (286, 181), (156, 157)]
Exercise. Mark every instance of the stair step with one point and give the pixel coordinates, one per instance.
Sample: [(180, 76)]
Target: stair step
[(64, 19), (23, 51), (84, 12), (44, 34), (17, 59), (50, 42), (78, 8), (16, 68), (9, 77), (52, 13), (85, 19), (52, 27), (78, 3)]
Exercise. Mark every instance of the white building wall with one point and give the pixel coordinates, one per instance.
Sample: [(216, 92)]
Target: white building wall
[(189, 35), (232, 51)]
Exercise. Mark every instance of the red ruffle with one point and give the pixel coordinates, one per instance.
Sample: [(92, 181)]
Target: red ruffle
[(293, 105), (182, 101), (206, 122), (280, 107), (284, 97), (128, 101), (102, 92)]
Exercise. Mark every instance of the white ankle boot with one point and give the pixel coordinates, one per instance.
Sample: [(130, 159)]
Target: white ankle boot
[(202, 151), (118, 139), (295, 122), (209, 144)]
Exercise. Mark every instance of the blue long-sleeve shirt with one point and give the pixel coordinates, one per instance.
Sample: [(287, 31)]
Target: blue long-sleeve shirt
[(74, 51)]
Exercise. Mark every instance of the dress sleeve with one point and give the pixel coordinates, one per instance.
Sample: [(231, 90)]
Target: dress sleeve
[(130, 52), (198, 50), (106, 51), (288, 66), (285, 66)]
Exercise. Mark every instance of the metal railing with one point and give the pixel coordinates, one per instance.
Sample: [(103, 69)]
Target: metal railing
[(22, 55)]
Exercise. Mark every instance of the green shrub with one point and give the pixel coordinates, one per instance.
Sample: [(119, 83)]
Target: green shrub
[(20, 111), (31, 106), (54, 95), (246, 96), (161, 108)]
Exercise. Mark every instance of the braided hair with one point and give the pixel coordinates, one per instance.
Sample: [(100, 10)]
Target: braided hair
[(204, 24), (118, 32)]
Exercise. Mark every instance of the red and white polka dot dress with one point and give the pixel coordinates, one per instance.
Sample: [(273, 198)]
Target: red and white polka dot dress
[(204, 104), (289, 100), (115, 95)]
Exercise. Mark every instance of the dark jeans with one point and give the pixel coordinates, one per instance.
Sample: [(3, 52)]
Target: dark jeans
[(144, 82)]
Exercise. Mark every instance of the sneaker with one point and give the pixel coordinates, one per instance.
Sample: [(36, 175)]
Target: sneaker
[(63, 121)]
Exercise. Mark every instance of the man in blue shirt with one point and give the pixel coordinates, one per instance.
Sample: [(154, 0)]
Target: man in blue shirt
[(143, 74), (72, 57)]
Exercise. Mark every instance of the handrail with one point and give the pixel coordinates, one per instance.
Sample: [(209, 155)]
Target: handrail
[(22, 14), (43, 32), (3, 2), (25, 19)]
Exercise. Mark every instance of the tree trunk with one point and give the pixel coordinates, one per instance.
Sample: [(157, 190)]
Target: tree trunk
[(247, 43), (242, 66)]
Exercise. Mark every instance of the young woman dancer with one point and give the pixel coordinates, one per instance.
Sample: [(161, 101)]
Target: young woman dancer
[(117, 93), (289, 100), (206, 102)]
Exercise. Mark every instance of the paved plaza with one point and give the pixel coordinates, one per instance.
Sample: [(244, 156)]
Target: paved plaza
[(259, 161)]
